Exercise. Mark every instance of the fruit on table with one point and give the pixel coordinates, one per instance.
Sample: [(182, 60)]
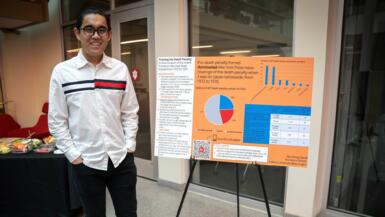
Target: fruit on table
[(36, 143), (19, 147), (49, 139), (4, 148)]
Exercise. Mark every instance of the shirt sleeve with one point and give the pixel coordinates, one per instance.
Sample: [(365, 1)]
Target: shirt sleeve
[(58, 118), (129, 117)]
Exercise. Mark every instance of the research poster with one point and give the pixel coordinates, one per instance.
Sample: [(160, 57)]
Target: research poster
[(234, 109)]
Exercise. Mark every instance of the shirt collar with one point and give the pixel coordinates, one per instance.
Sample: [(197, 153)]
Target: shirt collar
[(81, 61)]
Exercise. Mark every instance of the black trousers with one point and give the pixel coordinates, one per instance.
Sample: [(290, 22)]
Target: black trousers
[(120, 181)]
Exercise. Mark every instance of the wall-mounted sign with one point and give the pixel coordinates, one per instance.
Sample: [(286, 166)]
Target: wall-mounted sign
[(135, 74)]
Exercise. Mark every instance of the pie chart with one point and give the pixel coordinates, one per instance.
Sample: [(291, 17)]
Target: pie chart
[(219, 109)]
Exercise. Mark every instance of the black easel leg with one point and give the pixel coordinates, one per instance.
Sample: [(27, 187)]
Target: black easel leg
[(264, 191), (186, 188), (237, 183)]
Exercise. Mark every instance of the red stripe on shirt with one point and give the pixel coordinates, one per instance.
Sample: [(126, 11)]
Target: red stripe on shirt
[(109, 84)]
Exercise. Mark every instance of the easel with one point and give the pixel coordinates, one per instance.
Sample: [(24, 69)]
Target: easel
[(237, 183)]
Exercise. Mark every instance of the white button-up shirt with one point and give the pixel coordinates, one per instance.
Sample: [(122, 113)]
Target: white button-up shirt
[(93, 111)]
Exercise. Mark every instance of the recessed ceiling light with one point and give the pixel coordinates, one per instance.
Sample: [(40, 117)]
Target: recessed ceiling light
[(270, 55), (134, 41), (201, 46), (235, 51), (73, 50)]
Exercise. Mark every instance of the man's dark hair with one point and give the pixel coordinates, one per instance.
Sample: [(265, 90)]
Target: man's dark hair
[(91, 10)]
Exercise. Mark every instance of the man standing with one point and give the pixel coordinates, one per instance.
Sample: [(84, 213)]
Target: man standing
[(93, 116)]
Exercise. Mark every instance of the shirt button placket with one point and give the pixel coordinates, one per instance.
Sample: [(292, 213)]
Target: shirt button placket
[(101, 119)]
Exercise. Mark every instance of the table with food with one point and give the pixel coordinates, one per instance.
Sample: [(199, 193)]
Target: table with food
[(26, 145), (34, 175)]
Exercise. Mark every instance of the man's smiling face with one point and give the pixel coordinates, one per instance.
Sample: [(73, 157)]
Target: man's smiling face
[(93, 44)]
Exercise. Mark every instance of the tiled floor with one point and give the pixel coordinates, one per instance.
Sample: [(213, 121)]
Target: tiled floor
[(155, 200)]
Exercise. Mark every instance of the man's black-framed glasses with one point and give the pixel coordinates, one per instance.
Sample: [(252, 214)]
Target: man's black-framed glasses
[(90, 30)]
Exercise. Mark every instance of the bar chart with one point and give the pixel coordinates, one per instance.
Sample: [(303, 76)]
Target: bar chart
[(271, 76)]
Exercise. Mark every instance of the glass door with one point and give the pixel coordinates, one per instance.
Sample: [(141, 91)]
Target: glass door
[(132, 43)]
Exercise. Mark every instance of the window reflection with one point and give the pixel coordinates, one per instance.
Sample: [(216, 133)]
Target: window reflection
[(124, 2), (241, 28), (357, 181), (255, 27), (72, 8)]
